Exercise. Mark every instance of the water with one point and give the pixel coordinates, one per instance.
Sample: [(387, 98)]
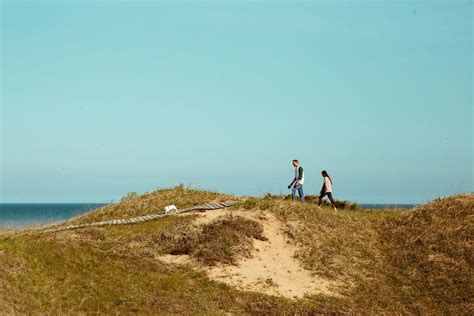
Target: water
[(23, 215), (387, 206)]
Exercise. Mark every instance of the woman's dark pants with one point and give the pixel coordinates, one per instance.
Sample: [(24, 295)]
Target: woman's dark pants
[(329, 194)]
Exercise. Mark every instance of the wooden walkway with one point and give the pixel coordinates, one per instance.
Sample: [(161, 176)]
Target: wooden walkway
[(147, 217)]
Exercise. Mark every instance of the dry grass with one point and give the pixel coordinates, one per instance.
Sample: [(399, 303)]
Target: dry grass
[(345, 247), (221, 241), (407, 261), (412, 261), (270, 199), (113, 270), (432, 250), (151, 203)]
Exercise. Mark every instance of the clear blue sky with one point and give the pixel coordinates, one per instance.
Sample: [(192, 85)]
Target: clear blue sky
[(102, 98)]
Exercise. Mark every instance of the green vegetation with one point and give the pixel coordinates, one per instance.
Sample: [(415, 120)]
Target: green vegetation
[(404, 261)]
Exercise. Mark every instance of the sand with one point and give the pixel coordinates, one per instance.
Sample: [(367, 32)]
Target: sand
[(271, 269)]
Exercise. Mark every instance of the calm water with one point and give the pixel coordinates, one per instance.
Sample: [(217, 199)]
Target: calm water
[(372, 206), (22, 215)]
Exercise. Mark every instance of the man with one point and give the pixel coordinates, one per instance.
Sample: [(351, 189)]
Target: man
[(298, 181)]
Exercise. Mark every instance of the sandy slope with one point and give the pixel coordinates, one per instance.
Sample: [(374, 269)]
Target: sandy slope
[(272, 268)]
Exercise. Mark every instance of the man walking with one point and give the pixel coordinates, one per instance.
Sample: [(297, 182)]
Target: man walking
[(298, 181)]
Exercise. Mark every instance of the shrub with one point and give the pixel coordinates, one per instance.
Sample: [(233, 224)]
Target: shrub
[(129, 196), (221, 241)]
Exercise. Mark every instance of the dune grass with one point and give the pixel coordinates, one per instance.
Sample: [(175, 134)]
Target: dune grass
[(152, 203), (114, 270), (222, 241), (403, 261), (432, 251)]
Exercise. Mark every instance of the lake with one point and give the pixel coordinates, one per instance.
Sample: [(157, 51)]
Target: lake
[(23, 215)]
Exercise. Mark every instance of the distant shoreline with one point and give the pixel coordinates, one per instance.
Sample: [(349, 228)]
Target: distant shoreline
[(22, 215)]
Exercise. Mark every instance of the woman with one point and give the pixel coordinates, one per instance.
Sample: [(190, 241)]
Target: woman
[(326, 189)]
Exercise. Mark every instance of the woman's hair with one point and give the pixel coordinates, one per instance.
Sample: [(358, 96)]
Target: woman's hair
[(325, 174)]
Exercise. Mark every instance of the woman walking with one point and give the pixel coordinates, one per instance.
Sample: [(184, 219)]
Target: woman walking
[(326, 189)]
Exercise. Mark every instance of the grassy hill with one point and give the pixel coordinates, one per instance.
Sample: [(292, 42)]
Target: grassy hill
[(402, 261)]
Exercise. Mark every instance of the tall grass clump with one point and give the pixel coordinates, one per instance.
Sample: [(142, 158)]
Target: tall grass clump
[(222, 241)]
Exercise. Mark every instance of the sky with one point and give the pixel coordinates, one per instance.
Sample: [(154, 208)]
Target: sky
[(101, 98)]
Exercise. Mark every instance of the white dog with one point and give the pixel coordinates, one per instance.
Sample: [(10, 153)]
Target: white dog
[(170, 209)]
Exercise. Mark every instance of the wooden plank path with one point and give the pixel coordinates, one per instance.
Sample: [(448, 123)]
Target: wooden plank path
[(147, 217)]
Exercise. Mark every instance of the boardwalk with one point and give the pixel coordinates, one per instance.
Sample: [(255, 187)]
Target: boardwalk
[(146, 217)]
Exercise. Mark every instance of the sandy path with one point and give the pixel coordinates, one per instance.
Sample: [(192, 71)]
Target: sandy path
[(272, 269)]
